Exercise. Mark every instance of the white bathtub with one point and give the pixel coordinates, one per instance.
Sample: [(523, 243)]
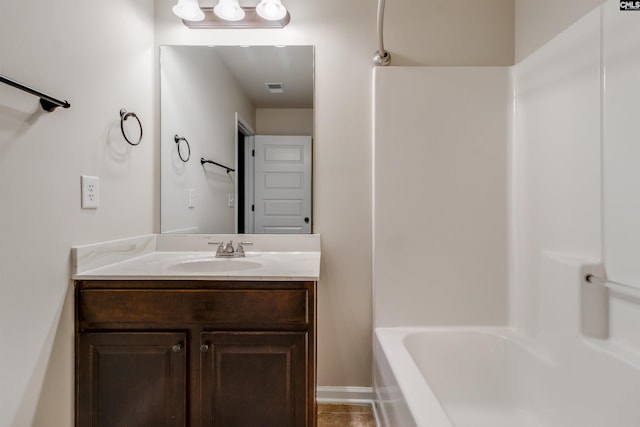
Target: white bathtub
[(481, 377)]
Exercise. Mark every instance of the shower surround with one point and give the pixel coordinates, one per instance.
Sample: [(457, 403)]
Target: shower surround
[(504, 169)]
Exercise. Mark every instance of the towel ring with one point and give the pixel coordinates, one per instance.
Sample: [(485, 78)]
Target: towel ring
[(178, 139), (124, 115)]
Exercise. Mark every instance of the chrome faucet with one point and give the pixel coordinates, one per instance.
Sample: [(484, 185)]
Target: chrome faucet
[(227, 251)]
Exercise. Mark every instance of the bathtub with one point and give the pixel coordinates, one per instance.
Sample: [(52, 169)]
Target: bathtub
[(495, 377)]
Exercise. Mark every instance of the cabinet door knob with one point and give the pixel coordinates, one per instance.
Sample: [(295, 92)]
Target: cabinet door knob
[(177, 348), (204, 348)]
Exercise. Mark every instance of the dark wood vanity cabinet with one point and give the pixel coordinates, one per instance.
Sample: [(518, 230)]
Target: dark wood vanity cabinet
[(195, 353), (131, 379)]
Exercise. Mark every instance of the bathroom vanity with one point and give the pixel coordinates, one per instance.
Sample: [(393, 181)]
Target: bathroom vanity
[(163, 339)]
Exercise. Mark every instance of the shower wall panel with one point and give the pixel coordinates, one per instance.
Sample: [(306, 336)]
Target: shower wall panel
[(440, 195)]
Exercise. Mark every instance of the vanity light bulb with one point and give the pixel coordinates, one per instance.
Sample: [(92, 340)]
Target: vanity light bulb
[(271, 10), (229, 10), (189, 10)]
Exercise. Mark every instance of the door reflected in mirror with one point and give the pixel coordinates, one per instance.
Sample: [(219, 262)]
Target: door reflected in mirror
[(245, 115)]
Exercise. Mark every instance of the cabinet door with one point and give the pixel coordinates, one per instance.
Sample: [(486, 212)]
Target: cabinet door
[(131, 379), (251, 379)]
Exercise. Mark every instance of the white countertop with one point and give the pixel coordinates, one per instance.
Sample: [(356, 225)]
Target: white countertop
[(189, 257)]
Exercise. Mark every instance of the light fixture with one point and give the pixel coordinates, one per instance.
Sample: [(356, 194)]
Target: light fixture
[(189, 10), (271, 10), (229, 10), (229, 14)]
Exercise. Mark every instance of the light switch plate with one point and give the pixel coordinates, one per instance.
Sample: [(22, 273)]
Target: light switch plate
[(90, 198)]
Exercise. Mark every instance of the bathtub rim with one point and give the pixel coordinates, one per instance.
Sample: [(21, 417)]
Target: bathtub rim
[(424, 405)]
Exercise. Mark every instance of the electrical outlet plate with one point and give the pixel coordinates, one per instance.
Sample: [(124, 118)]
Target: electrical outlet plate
[(191, 203), (90, 192)]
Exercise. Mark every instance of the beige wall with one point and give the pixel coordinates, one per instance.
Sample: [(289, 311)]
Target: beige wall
[(538, 21), (444, 32), (102, 56), (432, 32), (284, 121), (98, 55)]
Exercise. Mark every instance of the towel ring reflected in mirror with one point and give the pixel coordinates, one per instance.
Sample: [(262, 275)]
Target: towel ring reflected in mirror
[(184, 150), (124, 115)]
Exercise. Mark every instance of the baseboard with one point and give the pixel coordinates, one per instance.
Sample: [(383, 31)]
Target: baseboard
[(344, 394), (348, 395)]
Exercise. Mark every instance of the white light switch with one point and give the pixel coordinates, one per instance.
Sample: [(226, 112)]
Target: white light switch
[(231, 200), (192, 198), (90, 198)]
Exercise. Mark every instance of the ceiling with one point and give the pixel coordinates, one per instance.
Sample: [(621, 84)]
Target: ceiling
[(253, 66)]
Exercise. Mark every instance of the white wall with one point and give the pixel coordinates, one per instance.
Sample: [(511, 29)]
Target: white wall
[(440, 195), (199, 101), (344, 36), (284, 121), (556, 166), (99, 56), (572, 97), (538, 21), (621, 149), (621, 228)]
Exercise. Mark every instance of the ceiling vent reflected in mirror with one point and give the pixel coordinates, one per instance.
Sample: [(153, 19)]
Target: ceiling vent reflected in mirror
[(275, 87), (229, 14)]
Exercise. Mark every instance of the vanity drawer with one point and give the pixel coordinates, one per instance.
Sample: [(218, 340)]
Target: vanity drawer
[(204, 306)]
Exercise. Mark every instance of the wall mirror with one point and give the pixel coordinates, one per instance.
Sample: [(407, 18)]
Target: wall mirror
[(236, 139)]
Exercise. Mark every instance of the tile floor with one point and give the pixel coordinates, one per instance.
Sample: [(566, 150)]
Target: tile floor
[(338, 415)]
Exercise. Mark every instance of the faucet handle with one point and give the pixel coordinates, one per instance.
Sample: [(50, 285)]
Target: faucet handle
[(219, 249), (240, 248)]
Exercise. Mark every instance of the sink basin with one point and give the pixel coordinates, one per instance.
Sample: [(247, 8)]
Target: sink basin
[(214, 265)]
